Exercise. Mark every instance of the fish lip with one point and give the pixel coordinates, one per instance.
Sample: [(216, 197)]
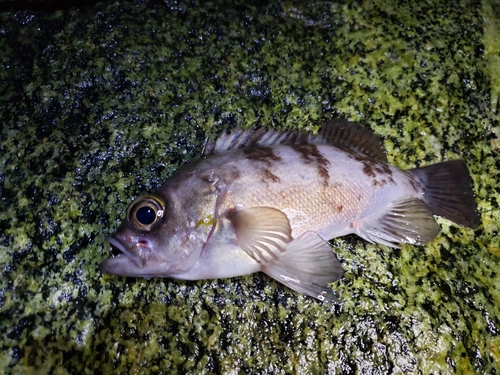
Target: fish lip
[(116, 245), (134, 253)]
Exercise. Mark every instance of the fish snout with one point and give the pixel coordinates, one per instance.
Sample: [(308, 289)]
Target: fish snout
[(137, 251)]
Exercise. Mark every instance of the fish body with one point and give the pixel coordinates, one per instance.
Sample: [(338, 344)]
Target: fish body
[(268, 201)]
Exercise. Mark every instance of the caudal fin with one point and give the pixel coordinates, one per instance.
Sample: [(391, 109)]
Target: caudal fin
[(448, 192)]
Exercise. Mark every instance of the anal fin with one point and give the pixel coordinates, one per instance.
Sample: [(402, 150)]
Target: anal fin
[(407, 221), (307, 266)]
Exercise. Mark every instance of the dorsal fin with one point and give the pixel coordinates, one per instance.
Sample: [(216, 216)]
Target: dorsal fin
[(340, 133), (240, 138)]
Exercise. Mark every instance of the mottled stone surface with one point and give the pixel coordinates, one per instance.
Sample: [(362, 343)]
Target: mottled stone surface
[(101, 103)]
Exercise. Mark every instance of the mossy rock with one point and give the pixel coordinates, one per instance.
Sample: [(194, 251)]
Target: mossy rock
[(103, 102)]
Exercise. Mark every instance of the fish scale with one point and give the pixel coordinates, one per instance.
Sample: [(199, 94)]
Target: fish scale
[(269, 201), (305, 191)]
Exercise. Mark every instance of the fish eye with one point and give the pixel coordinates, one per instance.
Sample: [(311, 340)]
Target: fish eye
[(145, 212), (145, 215)]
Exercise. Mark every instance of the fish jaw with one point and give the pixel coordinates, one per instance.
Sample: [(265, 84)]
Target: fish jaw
[(134, 258), (139, 253)]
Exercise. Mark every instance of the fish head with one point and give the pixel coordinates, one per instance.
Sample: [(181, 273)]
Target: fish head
[(156, 239)]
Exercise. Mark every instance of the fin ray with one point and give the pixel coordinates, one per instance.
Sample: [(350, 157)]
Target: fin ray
[(346, 134), (448, 192), (263, 232), (339, 133), (307, 266), (407, 221)]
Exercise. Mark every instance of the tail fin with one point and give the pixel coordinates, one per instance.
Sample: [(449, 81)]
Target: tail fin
[(448, 192)]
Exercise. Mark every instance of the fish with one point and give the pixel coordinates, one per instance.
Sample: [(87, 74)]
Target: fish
[(268, 201)]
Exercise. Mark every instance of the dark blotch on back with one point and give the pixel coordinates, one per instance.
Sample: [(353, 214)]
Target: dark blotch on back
[(379, 183), (383, 169), (368, 168), (414, 184), (263, 154), (267, 175), (310, 154), (234, 174), (374, 169)]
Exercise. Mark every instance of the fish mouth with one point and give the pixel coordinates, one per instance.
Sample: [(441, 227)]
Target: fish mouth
[(122, 255), (117, 248)]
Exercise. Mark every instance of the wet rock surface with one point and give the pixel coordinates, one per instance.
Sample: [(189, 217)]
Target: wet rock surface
[(102, 102)]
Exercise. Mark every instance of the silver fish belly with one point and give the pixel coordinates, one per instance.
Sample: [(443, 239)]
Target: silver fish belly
[(268, 201)]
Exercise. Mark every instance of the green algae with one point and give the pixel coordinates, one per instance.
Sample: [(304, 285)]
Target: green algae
[(102, 103), (491, 15)]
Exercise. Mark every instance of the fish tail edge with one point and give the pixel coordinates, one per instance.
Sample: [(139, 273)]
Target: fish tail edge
[(447, 188)]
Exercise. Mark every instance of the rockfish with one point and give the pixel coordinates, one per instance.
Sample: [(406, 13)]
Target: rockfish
[(268, 201)]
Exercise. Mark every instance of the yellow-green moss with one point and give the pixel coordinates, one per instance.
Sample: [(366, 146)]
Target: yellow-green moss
[(102, 103)]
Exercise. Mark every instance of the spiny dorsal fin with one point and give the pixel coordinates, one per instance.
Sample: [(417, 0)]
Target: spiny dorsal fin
[(240, 138), (340, 133)]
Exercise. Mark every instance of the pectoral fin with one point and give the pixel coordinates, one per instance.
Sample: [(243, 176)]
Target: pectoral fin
[(263, 232), (307, 266)]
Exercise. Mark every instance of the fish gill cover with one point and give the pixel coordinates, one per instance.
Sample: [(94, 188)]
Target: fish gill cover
[(102, 103)]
